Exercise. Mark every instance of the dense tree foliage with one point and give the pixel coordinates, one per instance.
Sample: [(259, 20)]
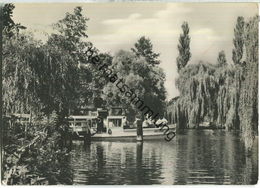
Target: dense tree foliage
[(146, 81), (63, 51), (248, 108), (33, 154), (18, 77), (222, 58), (223, 94), (50, 80), (238, 41), (208, 93), (144, 48), (184, 47), (41, 79), (9, 27)]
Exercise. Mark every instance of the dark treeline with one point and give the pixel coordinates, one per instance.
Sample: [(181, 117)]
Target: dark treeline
[(46, 79), (225, 93)]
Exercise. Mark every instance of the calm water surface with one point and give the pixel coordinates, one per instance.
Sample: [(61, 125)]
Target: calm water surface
[(193, 157)]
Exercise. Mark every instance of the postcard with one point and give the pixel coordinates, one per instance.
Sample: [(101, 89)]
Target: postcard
[(129, 93)]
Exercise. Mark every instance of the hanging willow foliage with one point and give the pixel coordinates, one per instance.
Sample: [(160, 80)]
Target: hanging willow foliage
[(37, 77), (248, 108), (207, 93), (226, 95), (18, 91)]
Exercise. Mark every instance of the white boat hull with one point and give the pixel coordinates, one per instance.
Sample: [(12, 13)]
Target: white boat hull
[(130, 134)]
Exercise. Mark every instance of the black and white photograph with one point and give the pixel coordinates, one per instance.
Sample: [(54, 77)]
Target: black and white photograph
[(129, 93)]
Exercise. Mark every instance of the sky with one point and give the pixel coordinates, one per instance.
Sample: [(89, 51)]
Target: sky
[(115, 26)]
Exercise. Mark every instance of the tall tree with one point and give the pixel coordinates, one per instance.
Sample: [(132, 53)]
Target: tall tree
[(146, 81), (184, 47), (64, 83), (9, 26), (238, 41), (248, 109), (222, 59), (72, 29), (144, 47)]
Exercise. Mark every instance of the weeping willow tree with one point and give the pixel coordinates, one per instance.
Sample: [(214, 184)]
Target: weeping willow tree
[(40, 79), (207, 93), (44, 77), (16, 72), (36, 77), (223, 94), (18, 92), (248, 108)]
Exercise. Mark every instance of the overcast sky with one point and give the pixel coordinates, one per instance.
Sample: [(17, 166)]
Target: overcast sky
[(114, 26)]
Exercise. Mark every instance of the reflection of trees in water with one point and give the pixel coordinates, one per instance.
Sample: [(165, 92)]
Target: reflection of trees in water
[(141, 164), (182, 159), (196, 157), (100, 157), (242, 169), (139, 159), (234, 158), (255, 161), (250, 166), (148, 164), (213, 157), (218, 149), (115, 163)]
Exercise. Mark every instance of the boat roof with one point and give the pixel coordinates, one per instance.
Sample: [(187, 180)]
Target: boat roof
[(82, 117)]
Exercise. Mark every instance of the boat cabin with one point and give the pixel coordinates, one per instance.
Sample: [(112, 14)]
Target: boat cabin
[(99, 120)]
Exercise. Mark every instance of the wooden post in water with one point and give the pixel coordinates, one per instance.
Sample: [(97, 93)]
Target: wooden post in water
[(139, 130), (139, 159)]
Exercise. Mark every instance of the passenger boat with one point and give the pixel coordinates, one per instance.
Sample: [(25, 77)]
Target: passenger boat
[(113, 129), (112, 126), (80, 124), (120, 134)]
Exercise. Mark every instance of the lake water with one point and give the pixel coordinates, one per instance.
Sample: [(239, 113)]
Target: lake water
[(193, 157)]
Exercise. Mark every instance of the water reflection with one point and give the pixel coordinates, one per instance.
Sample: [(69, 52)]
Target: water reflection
[(193, 157)]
